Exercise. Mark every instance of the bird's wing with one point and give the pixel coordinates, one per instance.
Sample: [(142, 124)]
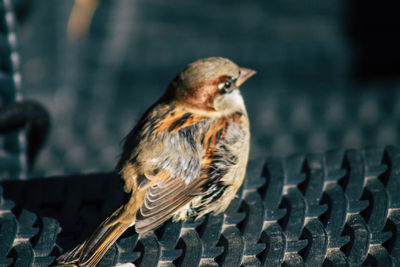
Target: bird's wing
[(164, 144), (166, 195), (162, 199), (162, 169)]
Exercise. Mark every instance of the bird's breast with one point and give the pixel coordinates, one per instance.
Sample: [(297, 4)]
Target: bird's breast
[(223, 166)]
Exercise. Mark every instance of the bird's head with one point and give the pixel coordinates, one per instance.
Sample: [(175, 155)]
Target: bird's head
[(210, 84)]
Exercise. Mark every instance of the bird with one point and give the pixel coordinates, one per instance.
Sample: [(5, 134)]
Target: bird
[(185, 158)]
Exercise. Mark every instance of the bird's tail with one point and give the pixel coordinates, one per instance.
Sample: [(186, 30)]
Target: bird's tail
[(90, 252)]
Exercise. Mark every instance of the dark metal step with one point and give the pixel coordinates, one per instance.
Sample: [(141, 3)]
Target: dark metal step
[(339, 208)]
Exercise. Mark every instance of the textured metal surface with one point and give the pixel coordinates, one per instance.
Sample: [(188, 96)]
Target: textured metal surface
[(339, 208)]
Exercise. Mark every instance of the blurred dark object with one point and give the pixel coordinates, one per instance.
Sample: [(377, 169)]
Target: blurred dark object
[(31, 117), (374, 29), (333, 209), (13, 163), (22, 9)]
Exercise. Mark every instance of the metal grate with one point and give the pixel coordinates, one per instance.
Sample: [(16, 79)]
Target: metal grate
[(334, 209)]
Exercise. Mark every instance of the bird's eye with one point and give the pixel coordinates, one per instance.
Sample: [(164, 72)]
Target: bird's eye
[(226, 86)]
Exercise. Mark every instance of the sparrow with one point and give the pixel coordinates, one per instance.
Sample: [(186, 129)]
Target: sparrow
[(186, 157)]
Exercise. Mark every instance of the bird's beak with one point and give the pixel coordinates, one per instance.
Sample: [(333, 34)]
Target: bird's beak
[(245, 73)]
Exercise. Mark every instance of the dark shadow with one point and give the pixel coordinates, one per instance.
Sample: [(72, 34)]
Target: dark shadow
[(374, 31), (79, 202)]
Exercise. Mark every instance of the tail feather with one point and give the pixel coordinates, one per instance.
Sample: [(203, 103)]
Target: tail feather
[(71, 256), (90, 252)]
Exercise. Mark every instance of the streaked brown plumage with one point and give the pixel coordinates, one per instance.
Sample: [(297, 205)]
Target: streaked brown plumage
[(185, 158)]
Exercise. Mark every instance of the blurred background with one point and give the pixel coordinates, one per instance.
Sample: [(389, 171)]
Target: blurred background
[(328, 71)]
